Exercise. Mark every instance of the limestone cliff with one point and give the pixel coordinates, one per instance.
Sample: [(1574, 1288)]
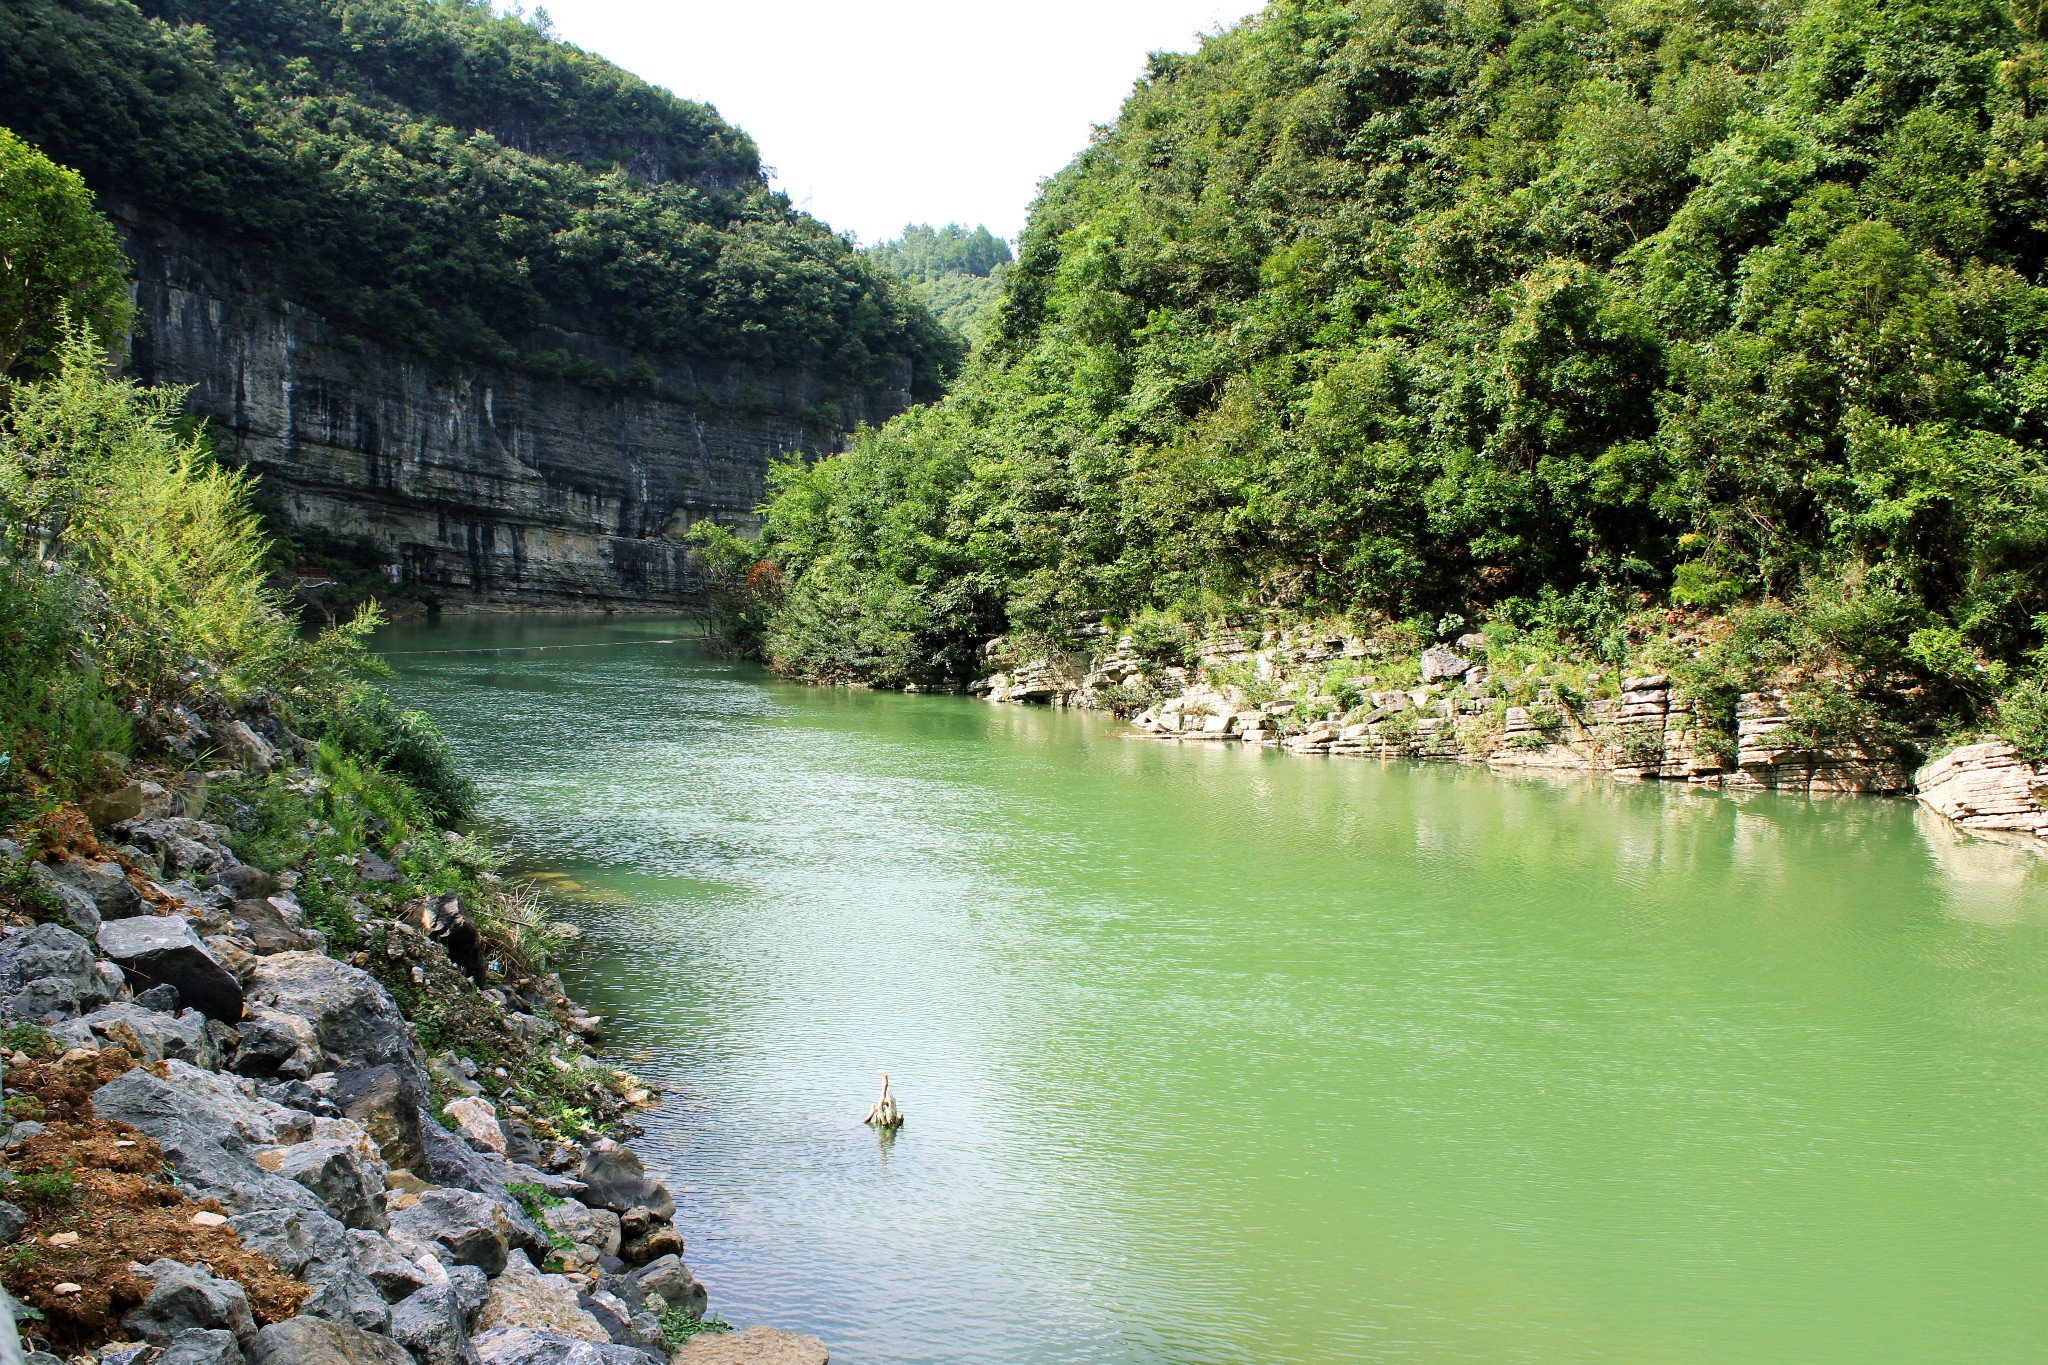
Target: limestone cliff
[(485, 487)]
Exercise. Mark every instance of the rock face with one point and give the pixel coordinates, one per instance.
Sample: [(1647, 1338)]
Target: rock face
[(485, 486), (1987, 788)]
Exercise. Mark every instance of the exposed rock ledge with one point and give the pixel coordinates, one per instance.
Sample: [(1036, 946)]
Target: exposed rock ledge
[(1986, 789)]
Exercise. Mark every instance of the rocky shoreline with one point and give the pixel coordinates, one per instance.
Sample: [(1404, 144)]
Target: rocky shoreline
[(230, 1142), (1271, 689)]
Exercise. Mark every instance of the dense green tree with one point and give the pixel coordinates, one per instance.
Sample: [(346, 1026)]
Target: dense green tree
[(441, 175), (1415, 306), (58, 261), (957, 273)]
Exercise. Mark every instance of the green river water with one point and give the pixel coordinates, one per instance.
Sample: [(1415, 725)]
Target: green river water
[(1224, 1056)]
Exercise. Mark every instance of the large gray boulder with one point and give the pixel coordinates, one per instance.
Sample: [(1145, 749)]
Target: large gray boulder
[(47, 974), (640, 1330), (276, 924), (78, 910), (162, 950), (347, 1019), (185, 1298), (348, 1185), (452, 1162), (201, 1347), (395, 1275), (104, 883), (314, 1341), (310, 1246), (1443, 665), (207, 1135), (526, 1346), (470, 1228), (596, 1228), (150, 1035), (619, 1182), (434, 1327), (380, 1100)]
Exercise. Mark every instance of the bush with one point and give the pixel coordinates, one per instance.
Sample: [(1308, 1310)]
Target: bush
[(59, 723)]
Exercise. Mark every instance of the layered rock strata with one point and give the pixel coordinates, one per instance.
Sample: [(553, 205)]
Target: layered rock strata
[(479, 486)]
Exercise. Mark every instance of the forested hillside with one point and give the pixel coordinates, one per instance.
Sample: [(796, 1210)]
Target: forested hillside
[(434, 174), (956, 272), (1603, 315)]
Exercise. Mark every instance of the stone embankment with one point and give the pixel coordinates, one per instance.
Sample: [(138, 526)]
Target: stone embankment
[(1447, 705), (1452, 707), (225, 1146)]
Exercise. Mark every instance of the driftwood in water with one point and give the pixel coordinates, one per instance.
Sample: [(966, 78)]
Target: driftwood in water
[(885, 1114)]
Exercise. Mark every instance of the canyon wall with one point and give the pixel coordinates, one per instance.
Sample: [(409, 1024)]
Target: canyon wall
[(481, 487)]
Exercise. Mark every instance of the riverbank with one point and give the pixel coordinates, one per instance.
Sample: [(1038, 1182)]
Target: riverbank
[(1324, 691), (360, 1124)]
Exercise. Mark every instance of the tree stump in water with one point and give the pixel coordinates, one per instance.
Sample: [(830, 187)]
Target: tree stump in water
[(885, 1114)]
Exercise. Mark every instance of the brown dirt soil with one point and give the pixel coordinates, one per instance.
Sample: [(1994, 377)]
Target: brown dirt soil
[(121, 1207)]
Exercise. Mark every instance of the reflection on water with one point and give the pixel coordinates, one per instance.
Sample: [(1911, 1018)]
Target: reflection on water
[(1222, 1056)]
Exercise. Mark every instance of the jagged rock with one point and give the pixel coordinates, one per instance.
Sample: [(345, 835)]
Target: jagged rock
[(269, 1045), (12, 1221), (205, 1137), (597, 1228), (1987, 788), (245, 748), (377, 1098), (310, 1246), (348, 1186), (162, 950), (469, 1227), (451, 1161), (526, 1346), (472, 1288), (396, 1277), (624, 1326), (647, 1238), (106, 883), (457, 1073), (524, 1297), (185, 1298), (79, 911), (1442, 665), (431, 1325), (208, 1347), (619, 1182), (162, 999), (243, 882), (476, 1120), (349, 1019), (308, 1340), (47, 973), (276, 925), (753, 1346), (150, 1035), (672, 1280)]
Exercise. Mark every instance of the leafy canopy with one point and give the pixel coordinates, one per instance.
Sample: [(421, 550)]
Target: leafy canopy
[(58, 259), (1407, 307)]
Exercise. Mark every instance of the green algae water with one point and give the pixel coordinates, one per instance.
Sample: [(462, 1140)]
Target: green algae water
[(1223, 1056)]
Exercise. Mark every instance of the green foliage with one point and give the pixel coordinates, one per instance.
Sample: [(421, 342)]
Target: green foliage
[(2021, 718), (164, 534), (22, 893), (740, 588), (433, 173), (59, 262), (679, 1325), (26, 1037), (59, 722), (364, 722), (1544, 313), (54, 1186), (956, 273)]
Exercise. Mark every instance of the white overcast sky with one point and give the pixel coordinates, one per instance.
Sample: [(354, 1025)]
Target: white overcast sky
[(877, 113)]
